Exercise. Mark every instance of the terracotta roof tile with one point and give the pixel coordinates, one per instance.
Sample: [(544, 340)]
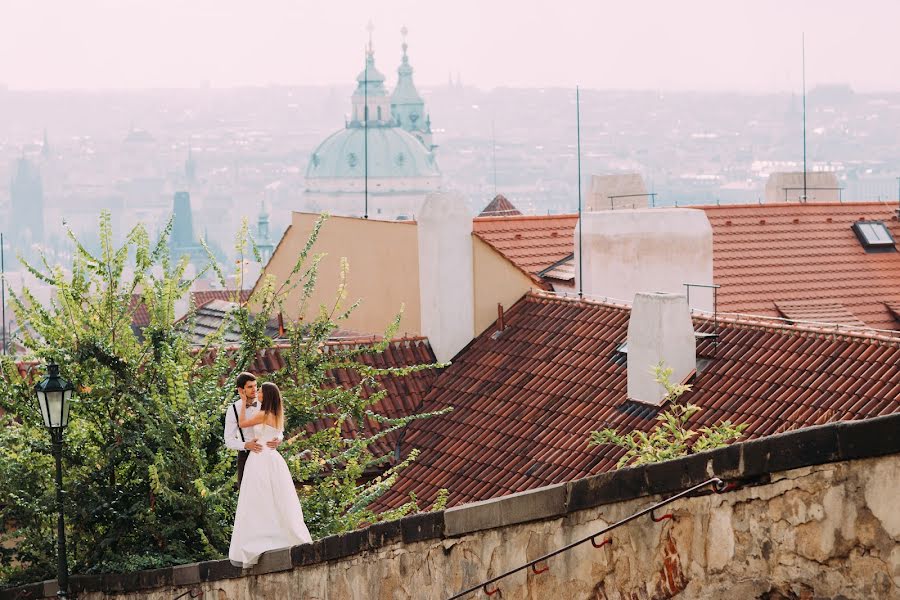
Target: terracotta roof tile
[(500, 207), (532, 243), (804, 253), (762, 254), (405, 394), (203, 297), (526, 402), (817, 311), (140, 316)]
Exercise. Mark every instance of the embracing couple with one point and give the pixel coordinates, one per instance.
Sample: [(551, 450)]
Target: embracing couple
[(269, 516)]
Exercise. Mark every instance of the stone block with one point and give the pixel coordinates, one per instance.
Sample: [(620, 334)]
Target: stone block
[(424, 526), (676, 475), (381, 534), (625, 484), (531, 505), (345, 544), (86, 583), (308, 554), (186, 574), (49, 588), (154, 578), (273, 561), (117, 582), (475, 516), (23, 592), (869, 437), (726, 462), (214, 570), (802, 448)]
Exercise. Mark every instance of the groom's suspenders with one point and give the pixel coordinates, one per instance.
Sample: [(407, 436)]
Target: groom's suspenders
[(238, 421)]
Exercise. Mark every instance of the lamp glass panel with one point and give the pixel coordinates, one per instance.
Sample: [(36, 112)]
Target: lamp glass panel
[(42, 403), (67, 402), (55, 405)]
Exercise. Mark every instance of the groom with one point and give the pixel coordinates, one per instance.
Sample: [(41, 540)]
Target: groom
[(237, 438)]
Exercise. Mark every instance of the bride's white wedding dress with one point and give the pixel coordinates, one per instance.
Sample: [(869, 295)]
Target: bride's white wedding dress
[(268, 515)]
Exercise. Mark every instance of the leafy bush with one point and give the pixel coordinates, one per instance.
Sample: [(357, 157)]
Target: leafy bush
[(671, 438), (148, 481)]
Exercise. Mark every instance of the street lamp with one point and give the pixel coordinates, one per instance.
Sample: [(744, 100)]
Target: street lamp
[(54, 395)]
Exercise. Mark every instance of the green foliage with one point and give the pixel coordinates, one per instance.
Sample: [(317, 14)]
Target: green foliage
[(671, 438), (147, 477)]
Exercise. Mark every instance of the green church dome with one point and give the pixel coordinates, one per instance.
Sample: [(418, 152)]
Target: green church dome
[(392, 152)]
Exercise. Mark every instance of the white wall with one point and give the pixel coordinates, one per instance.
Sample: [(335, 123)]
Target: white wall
[(646, 250), (660, 331), (446, 273)]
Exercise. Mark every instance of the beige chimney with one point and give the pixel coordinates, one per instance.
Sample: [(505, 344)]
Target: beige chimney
[(631, 251), (446, 278), (659, 331), (610, 192), (788, 187)]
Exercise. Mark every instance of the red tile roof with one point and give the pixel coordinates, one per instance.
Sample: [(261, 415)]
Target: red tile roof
[(770, 253), (500, 207), (532, 243), (140, 317), (525, 403), (205, 296), (817, 311), (405, 394)]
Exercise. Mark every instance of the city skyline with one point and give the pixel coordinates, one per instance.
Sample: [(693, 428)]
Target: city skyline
[(741, 46)]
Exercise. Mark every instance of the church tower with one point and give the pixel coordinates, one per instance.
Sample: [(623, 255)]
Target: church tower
[(370, 92), (26, 192), (263, 237), (407, 106)]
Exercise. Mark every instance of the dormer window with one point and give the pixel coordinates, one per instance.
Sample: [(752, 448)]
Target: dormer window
[(874, 236)]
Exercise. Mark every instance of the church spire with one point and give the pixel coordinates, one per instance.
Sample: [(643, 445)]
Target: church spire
[(407, 105), (370, 91)]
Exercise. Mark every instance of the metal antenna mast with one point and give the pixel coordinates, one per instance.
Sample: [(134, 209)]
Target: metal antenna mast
[(803, 44), (578, 128), (3, 290)]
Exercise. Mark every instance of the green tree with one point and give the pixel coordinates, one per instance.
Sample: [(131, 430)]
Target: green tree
[(671, 438), (148, 479)]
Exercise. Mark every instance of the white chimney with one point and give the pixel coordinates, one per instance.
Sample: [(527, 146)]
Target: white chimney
[(446, 288), (659, 331), (631, 251), (610, 192)]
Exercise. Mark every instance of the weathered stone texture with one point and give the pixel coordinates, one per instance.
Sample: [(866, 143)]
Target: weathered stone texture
[(828, 531)]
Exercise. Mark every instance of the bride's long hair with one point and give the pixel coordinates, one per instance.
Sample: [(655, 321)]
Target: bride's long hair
[(271, 402)]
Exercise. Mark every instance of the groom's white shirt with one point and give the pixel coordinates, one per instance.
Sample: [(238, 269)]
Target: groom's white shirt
[(232, 431)]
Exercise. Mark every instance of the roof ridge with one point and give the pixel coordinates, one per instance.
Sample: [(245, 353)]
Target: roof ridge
[(525, 217), (871, 203), (759, 322)]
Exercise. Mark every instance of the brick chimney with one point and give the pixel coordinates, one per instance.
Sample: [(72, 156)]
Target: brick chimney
[(659, 330)]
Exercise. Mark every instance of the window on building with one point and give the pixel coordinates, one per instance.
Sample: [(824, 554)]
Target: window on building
[(874, 236)]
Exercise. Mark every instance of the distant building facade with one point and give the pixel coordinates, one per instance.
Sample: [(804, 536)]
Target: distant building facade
[(26, 192), (382, 163), (182, 240)]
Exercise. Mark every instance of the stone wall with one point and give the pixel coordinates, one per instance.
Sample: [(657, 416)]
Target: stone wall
[(807, 514)]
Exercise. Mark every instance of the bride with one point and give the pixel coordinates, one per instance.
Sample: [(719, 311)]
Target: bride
[(268, 515)]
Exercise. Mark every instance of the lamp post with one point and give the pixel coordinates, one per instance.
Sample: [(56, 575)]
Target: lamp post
[(53, 396)]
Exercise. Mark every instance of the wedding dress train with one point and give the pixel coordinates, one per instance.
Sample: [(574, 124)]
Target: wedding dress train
[(268, 515)]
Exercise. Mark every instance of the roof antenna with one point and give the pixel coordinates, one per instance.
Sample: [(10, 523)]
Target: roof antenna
[(803, 50), (3, 291), (898, 197), (370, 28), (494, 156), (578, 133)]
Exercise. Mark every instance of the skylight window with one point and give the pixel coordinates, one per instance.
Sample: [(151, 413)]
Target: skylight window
[(874, 236)]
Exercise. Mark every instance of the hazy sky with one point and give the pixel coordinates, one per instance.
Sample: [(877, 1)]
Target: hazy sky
[(660, 44)]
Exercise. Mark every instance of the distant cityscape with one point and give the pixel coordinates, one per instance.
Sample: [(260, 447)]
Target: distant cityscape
[(243, 153)]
